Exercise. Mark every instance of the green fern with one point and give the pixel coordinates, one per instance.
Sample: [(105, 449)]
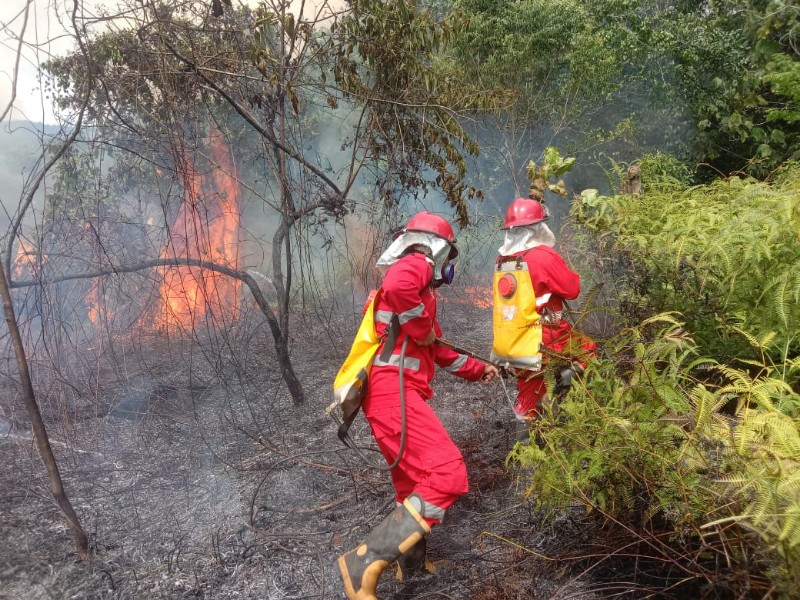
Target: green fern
[(725, 254), (657, 443)]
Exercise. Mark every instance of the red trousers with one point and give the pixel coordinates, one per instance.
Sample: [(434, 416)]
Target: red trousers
[(561, 339), (431, 465), (530, 392)]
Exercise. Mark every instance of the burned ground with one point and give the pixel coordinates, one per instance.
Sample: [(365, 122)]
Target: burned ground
[(195, 476)]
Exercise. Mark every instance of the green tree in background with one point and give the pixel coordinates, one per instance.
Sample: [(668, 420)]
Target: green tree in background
[(556, 61), (731, 65)]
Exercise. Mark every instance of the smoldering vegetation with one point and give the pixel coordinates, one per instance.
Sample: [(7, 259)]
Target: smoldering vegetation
[(195, 476)]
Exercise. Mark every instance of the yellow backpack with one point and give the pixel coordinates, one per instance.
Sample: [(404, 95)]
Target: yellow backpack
[(351, 383), (516, 323)]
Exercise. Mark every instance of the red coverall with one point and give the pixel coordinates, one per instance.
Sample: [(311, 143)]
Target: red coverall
[(431, 465), (553, 282)]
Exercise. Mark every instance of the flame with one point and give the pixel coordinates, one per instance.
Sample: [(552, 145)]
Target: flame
[(481, 297), (94, 301), (476, 295), (207, 229), (27, 261)]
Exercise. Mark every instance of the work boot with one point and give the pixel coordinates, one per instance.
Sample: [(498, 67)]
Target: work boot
[(392, 537), (414, 562)]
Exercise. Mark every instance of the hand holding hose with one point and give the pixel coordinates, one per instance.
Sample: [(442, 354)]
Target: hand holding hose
[(489, 373), (490, 369)]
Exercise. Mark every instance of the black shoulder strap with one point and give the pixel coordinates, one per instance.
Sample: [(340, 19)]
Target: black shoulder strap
[(390, 337)]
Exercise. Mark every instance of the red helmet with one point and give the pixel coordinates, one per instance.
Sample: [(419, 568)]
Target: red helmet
[(524, 211), (429, 223)]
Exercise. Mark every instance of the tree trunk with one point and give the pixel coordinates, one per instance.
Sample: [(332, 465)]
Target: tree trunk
[(37, 424), (287, 371), (281, 341)]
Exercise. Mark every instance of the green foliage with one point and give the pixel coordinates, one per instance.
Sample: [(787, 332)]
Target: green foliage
[(553, 165), (783, 75), (686, 64), (552, 54), (664, 441), (658, 438), (716, 82), (589, 438), (657, 169), (664, 170), (390, 57), (753, 124), (731, 64), (558, 63), (727, 256)]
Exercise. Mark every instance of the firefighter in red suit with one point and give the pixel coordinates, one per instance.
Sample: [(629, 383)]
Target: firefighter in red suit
[(530, 240), (431, 474)]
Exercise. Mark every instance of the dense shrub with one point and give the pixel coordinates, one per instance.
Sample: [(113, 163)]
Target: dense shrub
[(685, 433), (724, 255)]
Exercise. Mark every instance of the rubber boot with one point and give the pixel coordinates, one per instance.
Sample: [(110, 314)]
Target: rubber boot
[(392, 537), (414, 562)]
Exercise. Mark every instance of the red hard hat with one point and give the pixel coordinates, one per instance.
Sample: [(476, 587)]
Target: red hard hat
[(524, 211), (429, 223)]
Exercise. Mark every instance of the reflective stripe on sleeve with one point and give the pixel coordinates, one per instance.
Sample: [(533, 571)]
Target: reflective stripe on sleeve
[(383, 316), (542, 300), (457, 364), (413, 313)]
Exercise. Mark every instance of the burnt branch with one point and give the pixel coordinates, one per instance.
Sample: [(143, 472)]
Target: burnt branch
[(281, 345), (251, 120), (38, 426)]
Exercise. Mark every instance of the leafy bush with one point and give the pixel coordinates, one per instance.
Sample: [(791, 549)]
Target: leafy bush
[(693, 457), (685, 435), (725, 255)]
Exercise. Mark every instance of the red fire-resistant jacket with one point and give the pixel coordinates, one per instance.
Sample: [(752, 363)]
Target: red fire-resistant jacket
[(408, 293)]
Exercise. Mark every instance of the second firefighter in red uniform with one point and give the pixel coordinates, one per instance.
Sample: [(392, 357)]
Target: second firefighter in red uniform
[(531, 283)]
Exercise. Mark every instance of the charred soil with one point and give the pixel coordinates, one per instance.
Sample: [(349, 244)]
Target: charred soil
[(196, 476)]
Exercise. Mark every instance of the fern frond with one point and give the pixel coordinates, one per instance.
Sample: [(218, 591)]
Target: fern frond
[(790, 532), (785, 288), (706, 405)]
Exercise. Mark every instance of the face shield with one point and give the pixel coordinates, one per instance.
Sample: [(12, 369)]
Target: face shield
[(525, 237), (442, 251)]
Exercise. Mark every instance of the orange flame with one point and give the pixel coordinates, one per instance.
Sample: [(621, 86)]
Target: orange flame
[(26, 261), (477, 296), (207, 229), (93, 302), (482, 297)]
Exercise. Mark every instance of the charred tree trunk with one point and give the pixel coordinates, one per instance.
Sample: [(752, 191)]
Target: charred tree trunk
[(39, 431), (281, 342), (287, 371)]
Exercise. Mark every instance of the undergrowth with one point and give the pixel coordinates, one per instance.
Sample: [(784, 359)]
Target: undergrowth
[(725, 255), (676, 447), (684, 435)]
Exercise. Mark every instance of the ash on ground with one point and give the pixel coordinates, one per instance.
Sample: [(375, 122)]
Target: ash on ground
[(195, 476)]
